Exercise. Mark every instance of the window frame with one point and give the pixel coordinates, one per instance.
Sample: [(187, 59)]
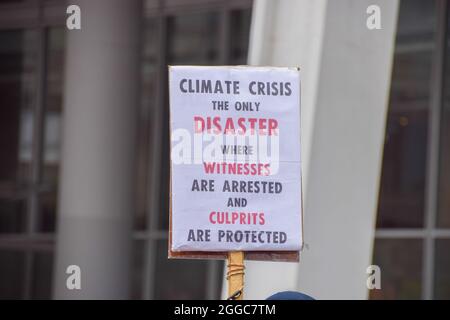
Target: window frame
[(430, 231), (41, 15), (31, 240)]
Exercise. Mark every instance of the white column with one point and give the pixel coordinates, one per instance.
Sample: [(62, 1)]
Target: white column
[(97, 186), (345, 72)]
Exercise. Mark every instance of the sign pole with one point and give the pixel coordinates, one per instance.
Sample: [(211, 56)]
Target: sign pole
[(235, 275)]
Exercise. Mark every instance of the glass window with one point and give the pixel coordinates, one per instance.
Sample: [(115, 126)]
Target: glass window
[(179, 279), (138, 265), (193, 39), (17, 89), (47, 211), (52, 128), (400, 261), (53, 103), (19, 65), (442, 269), (240, 35), (402, 192), (149, 77), (42, 275), (13, 212), (443, 217), (189, 34), (18, 92), (416, 66), (12, 268)]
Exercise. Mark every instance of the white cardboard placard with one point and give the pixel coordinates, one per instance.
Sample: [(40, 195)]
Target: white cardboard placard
[(235, 159)]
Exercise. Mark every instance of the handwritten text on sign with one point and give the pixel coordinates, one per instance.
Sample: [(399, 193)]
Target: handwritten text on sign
[(235, 157)]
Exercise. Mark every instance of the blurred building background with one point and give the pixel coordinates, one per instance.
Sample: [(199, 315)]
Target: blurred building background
[(84, 147)]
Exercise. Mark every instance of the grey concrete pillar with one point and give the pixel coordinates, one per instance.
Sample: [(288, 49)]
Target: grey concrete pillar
[(96, 186)]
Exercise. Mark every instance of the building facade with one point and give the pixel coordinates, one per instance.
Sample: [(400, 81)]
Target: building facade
[(84, 146)]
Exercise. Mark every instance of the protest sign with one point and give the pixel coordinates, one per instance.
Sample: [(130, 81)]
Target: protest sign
[(235, 162)]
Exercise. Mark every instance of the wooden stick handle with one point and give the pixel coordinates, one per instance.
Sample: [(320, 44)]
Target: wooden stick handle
[(235, 275)]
